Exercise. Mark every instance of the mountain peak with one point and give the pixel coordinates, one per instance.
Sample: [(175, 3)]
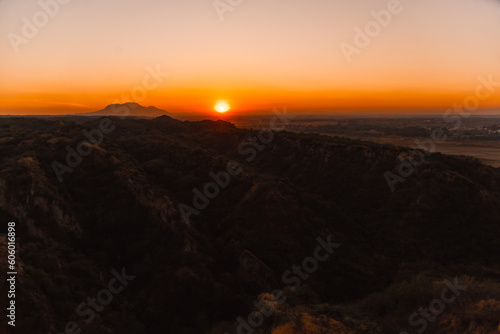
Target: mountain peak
[(129, 104), (129, 109)]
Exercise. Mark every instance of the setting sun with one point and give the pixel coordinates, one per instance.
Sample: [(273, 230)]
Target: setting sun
[(221, 106)]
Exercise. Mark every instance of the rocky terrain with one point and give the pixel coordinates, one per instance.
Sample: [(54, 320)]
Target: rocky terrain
[(88, 202)]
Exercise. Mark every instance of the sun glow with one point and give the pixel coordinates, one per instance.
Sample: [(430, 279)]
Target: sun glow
[(222, 106)]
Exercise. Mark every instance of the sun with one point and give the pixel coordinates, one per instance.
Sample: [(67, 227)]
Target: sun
[(222, 106)]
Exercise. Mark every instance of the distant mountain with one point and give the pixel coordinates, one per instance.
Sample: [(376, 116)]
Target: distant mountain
[(128, 109)]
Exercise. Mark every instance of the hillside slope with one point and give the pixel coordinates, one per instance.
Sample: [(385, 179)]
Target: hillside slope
[(119, 208)]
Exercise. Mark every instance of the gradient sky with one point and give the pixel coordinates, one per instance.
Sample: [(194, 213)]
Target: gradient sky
[(264, 54)]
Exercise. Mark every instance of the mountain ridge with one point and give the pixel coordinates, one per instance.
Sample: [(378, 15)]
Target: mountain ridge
[(128, 109)]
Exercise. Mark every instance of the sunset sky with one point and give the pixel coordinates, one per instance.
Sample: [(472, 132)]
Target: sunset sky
[(263, 54)]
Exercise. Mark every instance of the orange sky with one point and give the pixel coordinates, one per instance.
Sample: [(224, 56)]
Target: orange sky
[(264, 54)]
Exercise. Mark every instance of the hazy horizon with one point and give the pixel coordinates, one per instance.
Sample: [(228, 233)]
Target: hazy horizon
[(263, 113), (79, 56)]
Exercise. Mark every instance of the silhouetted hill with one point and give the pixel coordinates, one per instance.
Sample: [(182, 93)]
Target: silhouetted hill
[(119, 207), (128, 109)]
